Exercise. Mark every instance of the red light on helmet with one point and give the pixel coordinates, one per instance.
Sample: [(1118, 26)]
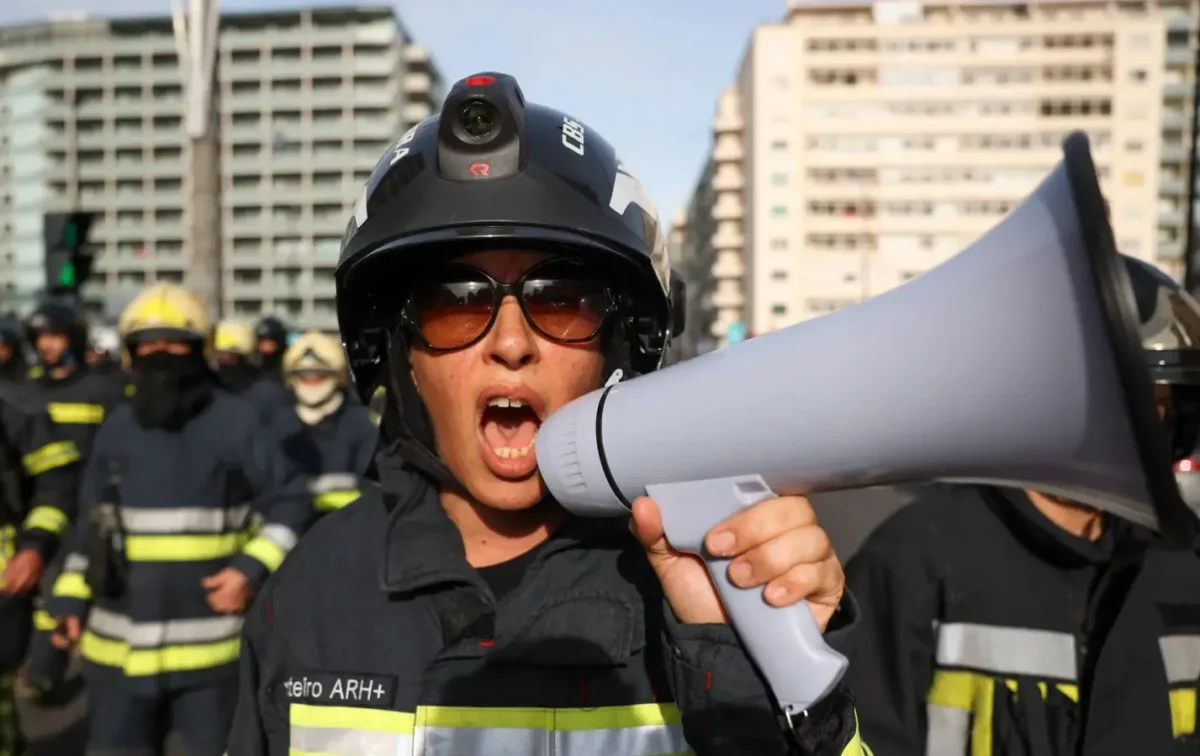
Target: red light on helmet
[(482, 80)]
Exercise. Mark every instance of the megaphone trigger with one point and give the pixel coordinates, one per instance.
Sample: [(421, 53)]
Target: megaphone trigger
[(804, 668)]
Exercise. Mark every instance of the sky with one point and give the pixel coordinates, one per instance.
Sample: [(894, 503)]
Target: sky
[(645, 74)]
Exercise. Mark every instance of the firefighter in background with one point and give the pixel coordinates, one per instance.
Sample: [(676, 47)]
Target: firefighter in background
[(163, 559), (271, 340), (330, 439), (104, 351), (235, 363), (12, 352), (38, 472), (77, 398)]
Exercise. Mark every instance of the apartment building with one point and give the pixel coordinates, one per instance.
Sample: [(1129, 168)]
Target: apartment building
[(693, 254), (92, 112), (875, 140)]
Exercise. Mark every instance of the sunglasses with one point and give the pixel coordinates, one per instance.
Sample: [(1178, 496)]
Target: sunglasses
[(456, 305)]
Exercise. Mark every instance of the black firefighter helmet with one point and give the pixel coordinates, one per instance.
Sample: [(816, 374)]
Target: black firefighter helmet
[(61, 318), (492, 170), (1169, 327)]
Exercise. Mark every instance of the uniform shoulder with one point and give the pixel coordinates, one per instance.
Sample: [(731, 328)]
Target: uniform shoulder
[(933, 515), (343, 546)]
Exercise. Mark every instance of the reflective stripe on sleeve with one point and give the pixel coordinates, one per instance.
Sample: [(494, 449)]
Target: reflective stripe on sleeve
[(1007, 651), (49, 519), (271, 545), (116, 626), (331, 501), (1181, 657), (72, 585), (332, 482), (1183, 711), (50, 456), (959, 712), (43, 621), (75, 413), (75, 563), (640, 730), (157, 661), (184, 519)]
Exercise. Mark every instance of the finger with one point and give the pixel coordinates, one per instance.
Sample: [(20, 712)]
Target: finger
[(773, 559), (812, 582), (74, 628), (59, 641), (647, 526), (759, 524), (212, 581)]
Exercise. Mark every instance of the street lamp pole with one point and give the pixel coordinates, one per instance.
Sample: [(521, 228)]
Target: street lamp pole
[(196, 35)]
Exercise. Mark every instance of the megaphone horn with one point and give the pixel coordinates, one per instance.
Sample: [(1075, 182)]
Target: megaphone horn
[(1015, 363)]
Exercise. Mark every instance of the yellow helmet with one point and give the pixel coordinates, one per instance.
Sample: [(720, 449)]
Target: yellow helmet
[(234, 336), (165, 311), (315, 352)]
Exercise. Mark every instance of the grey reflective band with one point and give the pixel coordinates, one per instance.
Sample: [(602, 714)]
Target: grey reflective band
[(1181, 658), (333, 482), (171, 632), (1007, 651), (283, 537), (75, 563), (948, 732), (342, 741), (181, 520)]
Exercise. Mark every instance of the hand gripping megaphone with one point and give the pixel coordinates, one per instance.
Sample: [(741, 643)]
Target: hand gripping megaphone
[(1015, 363)]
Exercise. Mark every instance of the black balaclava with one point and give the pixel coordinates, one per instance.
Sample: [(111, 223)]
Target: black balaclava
[(237, 376), (272, 364), (170, 389), (14, 368)]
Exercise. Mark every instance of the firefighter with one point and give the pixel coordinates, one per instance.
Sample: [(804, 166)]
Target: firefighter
[(1001, 622), (163, 561), (12, 353), (234, 350), (38, 471), (271, 340), (330, 439), (455, 609), (77, 398)]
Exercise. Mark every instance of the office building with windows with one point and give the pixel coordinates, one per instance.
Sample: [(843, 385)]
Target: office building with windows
[(872, 141), (91, 117)]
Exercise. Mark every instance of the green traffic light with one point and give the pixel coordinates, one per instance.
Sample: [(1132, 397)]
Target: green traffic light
[(66, 275)]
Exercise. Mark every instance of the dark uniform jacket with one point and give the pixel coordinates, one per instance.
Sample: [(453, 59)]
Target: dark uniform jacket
[(79, 403), (269, 396), (989, 630), (376, 636), (185, 501), (38, 476), (332, 454)]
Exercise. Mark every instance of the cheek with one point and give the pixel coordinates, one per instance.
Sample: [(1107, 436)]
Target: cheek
[(575, 370), (441, 384)]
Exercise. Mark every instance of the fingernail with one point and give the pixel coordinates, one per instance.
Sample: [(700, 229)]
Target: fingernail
[(721, 542), (775, 593), (739, 573)]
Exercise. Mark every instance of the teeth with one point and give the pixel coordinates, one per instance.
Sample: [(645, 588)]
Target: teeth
[(504, 401), (510, 452)]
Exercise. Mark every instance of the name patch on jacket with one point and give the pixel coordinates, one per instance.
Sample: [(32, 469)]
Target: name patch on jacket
[(341, 689)]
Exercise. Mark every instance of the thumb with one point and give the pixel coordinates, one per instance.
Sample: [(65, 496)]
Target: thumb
[(647, 528)]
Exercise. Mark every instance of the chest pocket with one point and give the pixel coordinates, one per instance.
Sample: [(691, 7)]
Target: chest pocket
[(639, 730), (996, 688)]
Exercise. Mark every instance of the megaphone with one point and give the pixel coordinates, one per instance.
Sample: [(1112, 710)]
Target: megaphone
[(1015, 363)]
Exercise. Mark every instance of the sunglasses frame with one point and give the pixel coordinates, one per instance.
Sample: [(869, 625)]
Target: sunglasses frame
[(500, 290)]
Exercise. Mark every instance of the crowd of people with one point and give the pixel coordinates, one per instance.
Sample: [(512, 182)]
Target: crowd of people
[(248, 556)]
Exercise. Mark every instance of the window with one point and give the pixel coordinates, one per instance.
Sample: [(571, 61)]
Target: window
[(779, 245), (779, 211), (779, 309), (779, 145), (1134, 145), (779, 179), (1132, 178), (1137, 76), (779, 275)]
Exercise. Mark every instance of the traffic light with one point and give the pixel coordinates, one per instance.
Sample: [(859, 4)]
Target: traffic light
[(68, 260)]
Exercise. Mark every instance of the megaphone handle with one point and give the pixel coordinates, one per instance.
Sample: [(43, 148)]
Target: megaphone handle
[(785, 643)]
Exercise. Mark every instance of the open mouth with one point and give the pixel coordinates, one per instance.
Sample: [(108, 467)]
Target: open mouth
[(509, 426)]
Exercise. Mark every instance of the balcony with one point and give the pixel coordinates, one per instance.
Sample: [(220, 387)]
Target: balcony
[(728, 179)]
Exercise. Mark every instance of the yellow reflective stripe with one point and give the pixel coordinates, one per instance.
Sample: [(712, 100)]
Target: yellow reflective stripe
[(603, 718), (331, 501), (1070, 690), (72, 585), (375, 720), (130, 390), (43, 621), (266, 551), (75, 413), (856, 747), (376, 417), (50, 456), (156, 661), (182, 548), (49, 519), (959, 706), (1183, 711), (35, 371)]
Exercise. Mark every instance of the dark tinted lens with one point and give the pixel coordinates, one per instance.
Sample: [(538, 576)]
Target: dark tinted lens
[(453, 309), (478, 119), (565, 302)]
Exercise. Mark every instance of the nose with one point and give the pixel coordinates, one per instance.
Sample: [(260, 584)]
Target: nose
[(511, 342)]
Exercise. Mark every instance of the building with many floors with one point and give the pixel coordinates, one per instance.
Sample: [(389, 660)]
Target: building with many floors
[(91, 118), (864, 143)]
